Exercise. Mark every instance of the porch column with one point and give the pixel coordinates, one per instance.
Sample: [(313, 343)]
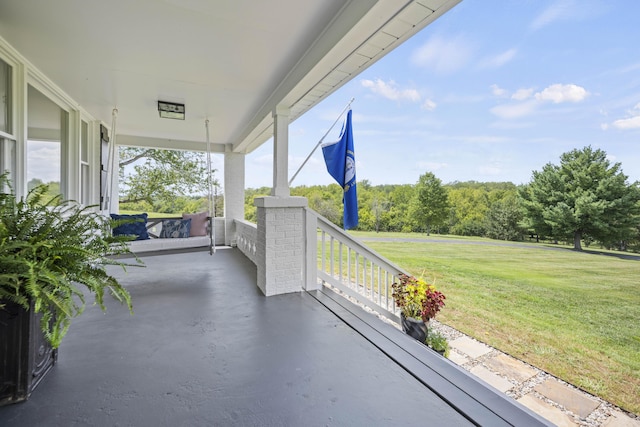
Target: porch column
[(280, 245), (280, 152), (233, 194)]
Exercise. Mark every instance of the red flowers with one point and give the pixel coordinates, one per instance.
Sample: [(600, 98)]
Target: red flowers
[(416, 298)]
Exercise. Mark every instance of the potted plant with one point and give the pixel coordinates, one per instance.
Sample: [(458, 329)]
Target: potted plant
[(438, 342), (52, 254), (418, 302)]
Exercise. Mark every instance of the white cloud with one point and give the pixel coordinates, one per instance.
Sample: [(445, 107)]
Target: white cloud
[(558, 93), (498, 60), (43, 161), (568, 10), (443, 55), (429, 105), (555, 12), (264, 160), (490, 170), (432, 166), (630, 123), (498, 91), (522, 94), (527, 102), (514, 111), (390, 90)]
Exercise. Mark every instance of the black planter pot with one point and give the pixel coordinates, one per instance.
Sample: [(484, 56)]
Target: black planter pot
[(413, 327), (25, 355)]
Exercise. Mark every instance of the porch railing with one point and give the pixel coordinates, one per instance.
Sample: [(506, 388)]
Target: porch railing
[(246, 238), (335, 259), (346, 264)]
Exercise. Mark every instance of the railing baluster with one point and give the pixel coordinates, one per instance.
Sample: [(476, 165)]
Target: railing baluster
[(340, 262), (357, 272), (348, 264), (386, 289), (331, 272), (379, 286), (323, 250), (371, 294), (362, 276)]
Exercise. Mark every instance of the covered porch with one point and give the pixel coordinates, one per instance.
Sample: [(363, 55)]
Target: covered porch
[(205, 347)]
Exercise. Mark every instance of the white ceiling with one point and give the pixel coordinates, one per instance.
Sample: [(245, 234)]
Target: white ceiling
[(231, 61)]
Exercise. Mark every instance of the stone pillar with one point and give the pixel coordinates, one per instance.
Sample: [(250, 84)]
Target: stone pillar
[(280, 152), (234, 168), (280, 246)]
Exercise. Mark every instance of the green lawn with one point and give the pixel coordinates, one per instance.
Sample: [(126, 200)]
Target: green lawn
[(573, 314)]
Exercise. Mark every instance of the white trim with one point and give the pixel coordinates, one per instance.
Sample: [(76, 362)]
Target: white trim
[(168, 144), (25, 74)]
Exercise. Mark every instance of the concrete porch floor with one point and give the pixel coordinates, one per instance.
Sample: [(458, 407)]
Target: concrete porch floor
[(205, 347)]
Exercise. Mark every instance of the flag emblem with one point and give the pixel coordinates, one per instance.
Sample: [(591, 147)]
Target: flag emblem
[(341, 164)]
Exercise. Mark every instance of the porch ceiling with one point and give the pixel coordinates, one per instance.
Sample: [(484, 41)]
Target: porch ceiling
[(231, 61)]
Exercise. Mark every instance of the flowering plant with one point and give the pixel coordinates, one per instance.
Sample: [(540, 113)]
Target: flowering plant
[(416, 298)]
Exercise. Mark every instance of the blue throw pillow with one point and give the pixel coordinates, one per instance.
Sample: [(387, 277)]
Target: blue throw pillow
[(174, 228), (137, 228)]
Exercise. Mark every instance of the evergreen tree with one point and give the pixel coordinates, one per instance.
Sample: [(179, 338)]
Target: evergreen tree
[(584, 197)]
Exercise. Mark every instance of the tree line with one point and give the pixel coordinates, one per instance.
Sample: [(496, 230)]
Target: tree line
[(584, 199)]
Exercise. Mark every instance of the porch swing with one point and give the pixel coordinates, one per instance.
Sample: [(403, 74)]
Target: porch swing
[(151, 243)]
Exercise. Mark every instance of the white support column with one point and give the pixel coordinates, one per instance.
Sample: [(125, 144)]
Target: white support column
[(281, 152), (280, 245), (234, 168)]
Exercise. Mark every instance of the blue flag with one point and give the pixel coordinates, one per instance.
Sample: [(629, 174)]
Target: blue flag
[(341, 164)]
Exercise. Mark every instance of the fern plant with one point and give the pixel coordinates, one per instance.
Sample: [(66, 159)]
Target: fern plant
[(53, 253)]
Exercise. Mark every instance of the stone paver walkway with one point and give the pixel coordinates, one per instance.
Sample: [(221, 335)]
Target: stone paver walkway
[(559, 402), (553, 399)]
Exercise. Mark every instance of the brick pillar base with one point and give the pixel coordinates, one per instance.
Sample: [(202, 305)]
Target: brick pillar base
[(280, 244)]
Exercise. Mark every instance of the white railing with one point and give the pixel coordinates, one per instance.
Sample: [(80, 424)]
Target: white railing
[(337, 260), (348, 265), (246, 238)]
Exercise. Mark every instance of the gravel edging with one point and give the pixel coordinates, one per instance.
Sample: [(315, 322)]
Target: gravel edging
[(600, 417)]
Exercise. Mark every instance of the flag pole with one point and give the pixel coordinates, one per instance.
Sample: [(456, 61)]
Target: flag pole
[(319, 142)]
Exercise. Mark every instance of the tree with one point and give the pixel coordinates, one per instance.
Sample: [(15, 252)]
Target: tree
[(585, 196), (503, 220), (161, 176), (430, 206)]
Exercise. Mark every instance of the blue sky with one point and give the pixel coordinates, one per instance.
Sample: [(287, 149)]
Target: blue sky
[(491, 91)]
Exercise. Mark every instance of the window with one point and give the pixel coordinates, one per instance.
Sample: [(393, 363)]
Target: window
[(47, 137), (5, 97), (85, 177), (8, 157)]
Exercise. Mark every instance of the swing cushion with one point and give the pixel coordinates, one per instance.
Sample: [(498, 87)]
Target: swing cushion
[(175, 228), (199, 223), (137, 228)]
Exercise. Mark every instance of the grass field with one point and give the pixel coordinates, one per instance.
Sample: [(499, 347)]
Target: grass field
[(573, 314)]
